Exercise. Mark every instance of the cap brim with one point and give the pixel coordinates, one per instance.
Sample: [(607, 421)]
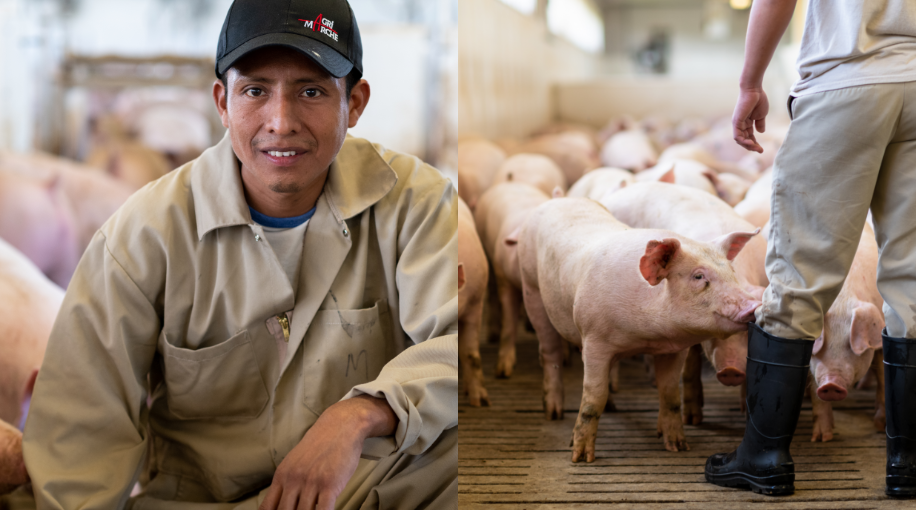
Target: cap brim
[(325, 56)]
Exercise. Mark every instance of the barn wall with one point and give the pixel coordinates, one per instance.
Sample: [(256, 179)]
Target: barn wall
[(703, 68), (508, 64)]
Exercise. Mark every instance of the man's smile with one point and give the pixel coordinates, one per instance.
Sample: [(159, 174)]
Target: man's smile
[(283, 156)]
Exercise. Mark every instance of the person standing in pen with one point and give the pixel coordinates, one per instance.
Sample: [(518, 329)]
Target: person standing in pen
[(851, 147)]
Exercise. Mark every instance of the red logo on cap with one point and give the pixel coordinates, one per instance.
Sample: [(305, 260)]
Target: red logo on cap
[(321, 24)]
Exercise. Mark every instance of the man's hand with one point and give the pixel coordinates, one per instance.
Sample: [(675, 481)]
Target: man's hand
[(751, 111), (315, 472), (12, 466)]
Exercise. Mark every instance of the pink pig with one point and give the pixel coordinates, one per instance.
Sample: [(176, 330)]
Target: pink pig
[(851, 342), (502, 210), (30, 305), (534, 169), (617, 292), (702, 217), (477, 163), (631, 150), (472, 287)]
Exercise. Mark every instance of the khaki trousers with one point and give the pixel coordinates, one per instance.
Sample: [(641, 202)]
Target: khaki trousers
[(846, 151), (396, 482)]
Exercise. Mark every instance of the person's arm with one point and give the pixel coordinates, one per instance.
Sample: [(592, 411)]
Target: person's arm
[(768, 22), (415, 397), (85, 436)]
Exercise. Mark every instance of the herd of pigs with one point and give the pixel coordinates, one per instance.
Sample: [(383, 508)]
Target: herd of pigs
[(643, 238), (49, 210)]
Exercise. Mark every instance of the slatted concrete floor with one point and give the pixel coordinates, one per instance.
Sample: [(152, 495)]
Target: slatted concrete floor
[(511, 457)]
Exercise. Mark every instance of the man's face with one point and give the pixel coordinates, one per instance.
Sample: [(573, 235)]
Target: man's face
[(287, 118)]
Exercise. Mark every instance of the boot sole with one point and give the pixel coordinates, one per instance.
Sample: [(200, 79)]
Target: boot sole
[(900, 492), (777, 485)]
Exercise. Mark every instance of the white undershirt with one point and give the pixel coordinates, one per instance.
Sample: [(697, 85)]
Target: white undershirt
[(287, 245)]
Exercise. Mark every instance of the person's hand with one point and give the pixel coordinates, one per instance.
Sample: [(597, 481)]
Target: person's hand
[(751, 111), (12, 466), (315, 472)]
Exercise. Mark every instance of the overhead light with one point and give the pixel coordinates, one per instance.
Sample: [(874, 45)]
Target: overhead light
[(740, 4)]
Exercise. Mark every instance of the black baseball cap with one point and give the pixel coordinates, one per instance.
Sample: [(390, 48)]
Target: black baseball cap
[(324, 30)]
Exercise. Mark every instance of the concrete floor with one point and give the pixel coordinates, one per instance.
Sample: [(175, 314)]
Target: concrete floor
[(511, 457)]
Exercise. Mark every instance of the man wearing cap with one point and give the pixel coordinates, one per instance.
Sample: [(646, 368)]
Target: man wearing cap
[(235, 335)]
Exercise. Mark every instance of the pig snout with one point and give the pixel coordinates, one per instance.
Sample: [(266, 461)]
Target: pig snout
[(730, 376), (746, 313), (833, 390)]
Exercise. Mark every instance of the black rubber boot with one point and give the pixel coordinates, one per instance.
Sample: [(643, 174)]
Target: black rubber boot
[(900, 403), (777, 372)]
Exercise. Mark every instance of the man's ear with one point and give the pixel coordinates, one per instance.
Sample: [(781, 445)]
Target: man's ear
[(219, 97), (461, 278), (359, 98)]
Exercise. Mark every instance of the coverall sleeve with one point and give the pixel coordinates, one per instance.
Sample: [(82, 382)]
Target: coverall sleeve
[(85, 437), (421, 383)]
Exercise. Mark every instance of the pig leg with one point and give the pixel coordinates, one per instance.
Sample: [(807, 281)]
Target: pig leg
[(469, 355), (509, 298), (877, 367), (693, 386), (493, 309), (615, 377), (550, 346), (668, 370), (597, 359), (823, 415)]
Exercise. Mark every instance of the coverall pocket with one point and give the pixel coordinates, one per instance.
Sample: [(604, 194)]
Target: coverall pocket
[(221, 381), (343, 348)]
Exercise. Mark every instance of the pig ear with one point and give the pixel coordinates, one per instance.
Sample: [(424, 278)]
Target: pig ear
[(818, 344), (558, 192), (656, 263), (713, 178), (731, 244), (30, 384), (668, 176), (867, 323), (461, 279), (512, 239)]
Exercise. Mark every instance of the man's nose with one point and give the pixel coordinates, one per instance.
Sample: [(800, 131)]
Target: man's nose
[(282, 117)]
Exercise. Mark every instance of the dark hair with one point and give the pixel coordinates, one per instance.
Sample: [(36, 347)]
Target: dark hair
[(352, 79)]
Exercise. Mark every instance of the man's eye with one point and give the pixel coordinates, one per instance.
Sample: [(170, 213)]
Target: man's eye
[(311, 93), (253, 92)]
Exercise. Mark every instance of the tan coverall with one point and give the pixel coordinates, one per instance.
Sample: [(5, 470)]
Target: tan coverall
[(180, 284)]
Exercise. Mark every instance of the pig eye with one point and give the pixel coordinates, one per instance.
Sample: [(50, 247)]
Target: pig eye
[(698, 276)]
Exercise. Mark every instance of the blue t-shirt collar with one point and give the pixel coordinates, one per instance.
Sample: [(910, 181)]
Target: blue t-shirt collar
[(271, 222)]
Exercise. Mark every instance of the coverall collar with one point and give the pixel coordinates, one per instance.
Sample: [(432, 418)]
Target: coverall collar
[(357, 179)]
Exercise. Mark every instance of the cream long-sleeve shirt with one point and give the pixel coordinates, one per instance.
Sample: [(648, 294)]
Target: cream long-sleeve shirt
[(179, 292)]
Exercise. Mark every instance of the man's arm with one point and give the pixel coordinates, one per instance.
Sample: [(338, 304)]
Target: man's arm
[(315, 472), (85, 436), (768, 22)]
